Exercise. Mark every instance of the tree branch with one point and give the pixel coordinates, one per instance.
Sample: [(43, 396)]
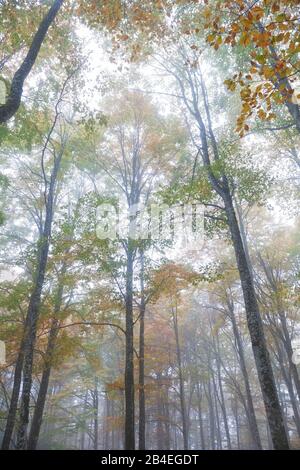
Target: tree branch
[(14, 98)]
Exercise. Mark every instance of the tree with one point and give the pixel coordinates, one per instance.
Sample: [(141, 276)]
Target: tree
[(140, 261), (266, 31), (194, 95), (141, 141), (13, 99), (25, 358)]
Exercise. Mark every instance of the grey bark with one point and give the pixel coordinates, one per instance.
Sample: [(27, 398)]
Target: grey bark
[(250, 407), (220, 184), (181, 382), (43, 389), (129, 366), (142, 410), (15, 94)]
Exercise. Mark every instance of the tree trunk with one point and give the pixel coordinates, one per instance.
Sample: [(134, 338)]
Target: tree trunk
[(167, 420), (181, 383), (34, 309), (142, 410), (95, 411), (289, 384), (41, 399), (223, 406), (82, 436), (217, 418), (202, 438), (250, 407), (255, 326), (159, 416), (289, 351), (221, 187), (14, 98), (12, 412), (42, 395), (237, 424), (129, 366), (212, 424)]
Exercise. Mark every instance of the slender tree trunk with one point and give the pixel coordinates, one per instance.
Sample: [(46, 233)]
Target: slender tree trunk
[(223, 405), (217, 417), (237, 423), (212, 424), (82, 437), (167, 420), (296, 416), (202, 438), (181, 383), (250, 407), (41, 399), (254, 321), (95, 411), (34, 309), (255, 326), (159, 416), (30, 338), (287, 343), (13, 101), (142, 410), (113, 444), (129, 365), (42, 395), (12, 412), (289, 384), (222, 399), (283, 404), (106, 415), (282, 331)]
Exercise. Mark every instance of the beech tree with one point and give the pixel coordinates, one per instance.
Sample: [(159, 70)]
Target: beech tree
[(14, 95), (149, 218)]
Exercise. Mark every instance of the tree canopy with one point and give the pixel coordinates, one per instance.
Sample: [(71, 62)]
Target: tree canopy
[(149, 216)]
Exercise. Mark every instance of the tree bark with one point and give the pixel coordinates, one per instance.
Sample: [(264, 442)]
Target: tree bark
[(41, 399), (142, 410), (223, 406), (181, 382), (95, 411), (209, 149), (217, 418), (129, 365), (255, 326), (14, 98), (34, 309), (202, 437), (212, 423), (12, 412), (250, 407), (289, 351), (286, 375), (42, 395)]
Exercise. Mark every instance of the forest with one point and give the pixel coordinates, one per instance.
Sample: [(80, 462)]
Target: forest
[(149, 225)]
